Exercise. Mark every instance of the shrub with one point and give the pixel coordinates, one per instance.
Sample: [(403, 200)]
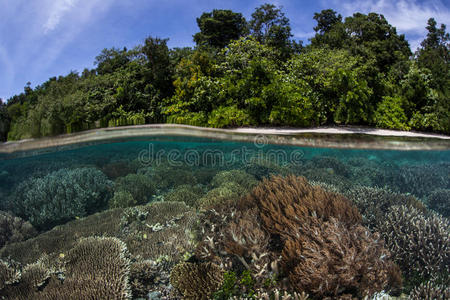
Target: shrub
[(390, 114)]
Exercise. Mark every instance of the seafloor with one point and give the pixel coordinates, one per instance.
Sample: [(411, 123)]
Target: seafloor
[(128, 220)]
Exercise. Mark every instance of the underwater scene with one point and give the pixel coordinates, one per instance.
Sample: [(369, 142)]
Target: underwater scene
[(198, 218)]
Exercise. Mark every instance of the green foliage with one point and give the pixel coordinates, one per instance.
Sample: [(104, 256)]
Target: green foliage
[(4, 121), (228, 116), (236, 286), (271, 27), (219, 27), (251, 74), (390, 114)]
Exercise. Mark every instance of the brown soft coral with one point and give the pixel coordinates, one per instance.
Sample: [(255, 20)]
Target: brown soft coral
[(332, 260), (285, 203)]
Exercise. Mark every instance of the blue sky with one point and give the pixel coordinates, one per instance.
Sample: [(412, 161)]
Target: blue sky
[(44, 38)]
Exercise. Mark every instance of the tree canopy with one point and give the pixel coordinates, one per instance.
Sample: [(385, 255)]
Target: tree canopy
[(356, 70)]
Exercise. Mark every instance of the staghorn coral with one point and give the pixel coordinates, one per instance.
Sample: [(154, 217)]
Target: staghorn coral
[(285, 203), (14, 229), (332, 260), (196, 281), (421, 180), (439, 201), (185, 193), (139, 186), (60, 196), (9, 274), (419, 244), (430, 291), (375, 203)]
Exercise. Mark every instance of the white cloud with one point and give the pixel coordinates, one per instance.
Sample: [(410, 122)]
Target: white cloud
[(57, 10), (408, 16)]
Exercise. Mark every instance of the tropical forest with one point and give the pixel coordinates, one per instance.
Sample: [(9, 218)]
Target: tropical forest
[(356, 70)]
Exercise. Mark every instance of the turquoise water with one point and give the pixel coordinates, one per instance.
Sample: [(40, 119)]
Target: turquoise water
[(174, 206)]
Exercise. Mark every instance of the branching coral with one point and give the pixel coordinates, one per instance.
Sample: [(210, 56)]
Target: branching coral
[(185, 193), (8, 275), (239, 177), (60, 196), (421, 180), (419, 244), (118, 169), (196, 281), (139, 186), (439, 200), (14, 229), (430, 291), (375, 203), (122, 199)]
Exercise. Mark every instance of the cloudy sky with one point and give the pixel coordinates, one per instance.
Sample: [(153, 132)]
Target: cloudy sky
[(44, 38)]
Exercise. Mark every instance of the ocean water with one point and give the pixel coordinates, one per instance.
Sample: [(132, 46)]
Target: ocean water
[(198, 218)]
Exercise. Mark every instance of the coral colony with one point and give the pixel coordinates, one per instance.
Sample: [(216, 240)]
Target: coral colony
[(332, 227)]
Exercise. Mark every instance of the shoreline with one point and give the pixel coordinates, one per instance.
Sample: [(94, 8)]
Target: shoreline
[(351, 137)]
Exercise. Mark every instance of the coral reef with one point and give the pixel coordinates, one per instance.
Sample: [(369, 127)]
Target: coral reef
[(185, 193), (60, 196), (159, 231), (288, 229), (145, 275), (439, 201), (430, 291), (168, 176), (96, 268), (139, 186), (286, 203), (14, 229), (375, 203), (122, 199), (329, 163), (62, 238), (196, 281), (421, 180), (276, 295), (239, 177), (8, 275), (263, 167), (419, 244), (229, 191), (327, 260), (118, 169)]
